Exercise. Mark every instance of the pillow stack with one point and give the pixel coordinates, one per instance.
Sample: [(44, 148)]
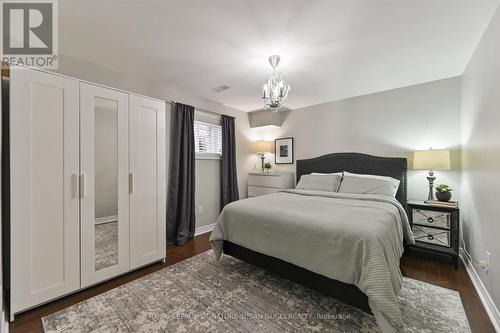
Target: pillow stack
[(346, 182), (320, 182), (368, 184)]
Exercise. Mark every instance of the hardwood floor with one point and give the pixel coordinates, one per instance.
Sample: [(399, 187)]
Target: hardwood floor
[(447, 276), (30, 321), (413, 267)]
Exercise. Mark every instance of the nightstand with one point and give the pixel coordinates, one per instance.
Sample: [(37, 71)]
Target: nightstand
[(267, 183), (435, 228)]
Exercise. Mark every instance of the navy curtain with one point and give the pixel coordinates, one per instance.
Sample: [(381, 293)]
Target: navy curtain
[(181, 205), (229, 179)]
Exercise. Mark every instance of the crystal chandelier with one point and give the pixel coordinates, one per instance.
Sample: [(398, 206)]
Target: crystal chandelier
[(275, 91)]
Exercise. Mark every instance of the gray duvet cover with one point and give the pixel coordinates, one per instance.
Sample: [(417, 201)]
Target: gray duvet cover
[(356, 239)]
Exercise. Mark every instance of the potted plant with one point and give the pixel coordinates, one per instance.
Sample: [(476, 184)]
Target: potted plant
[(443, 192), (267, 166)]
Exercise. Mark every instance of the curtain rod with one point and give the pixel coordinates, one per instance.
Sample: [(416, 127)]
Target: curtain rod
[(196, 108)]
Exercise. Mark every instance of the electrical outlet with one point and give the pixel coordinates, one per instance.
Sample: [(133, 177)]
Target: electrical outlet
[(484, 265), (200, 210)]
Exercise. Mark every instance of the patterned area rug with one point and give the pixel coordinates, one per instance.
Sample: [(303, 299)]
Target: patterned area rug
[(198, 295)]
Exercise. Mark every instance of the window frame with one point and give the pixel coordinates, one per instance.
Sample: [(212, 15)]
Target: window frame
[(212, 119)]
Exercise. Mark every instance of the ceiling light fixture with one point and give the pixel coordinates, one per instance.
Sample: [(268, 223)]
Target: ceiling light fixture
[(275, 91)]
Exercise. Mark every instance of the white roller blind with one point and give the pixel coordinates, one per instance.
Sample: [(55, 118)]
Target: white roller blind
[(207, 138)]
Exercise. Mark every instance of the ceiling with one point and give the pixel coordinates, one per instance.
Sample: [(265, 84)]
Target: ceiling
[(330, 49)]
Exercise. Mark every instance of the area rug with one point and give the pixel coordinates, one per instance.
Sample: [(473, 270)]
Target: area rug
[(200, 295)]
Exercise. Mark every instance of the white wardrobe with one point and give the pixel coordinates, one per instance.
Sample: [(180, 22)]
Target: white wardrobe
[(88, 184)]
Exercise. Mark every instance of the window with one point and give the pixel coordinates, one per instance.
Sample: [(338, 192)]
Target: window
[(207, 140)]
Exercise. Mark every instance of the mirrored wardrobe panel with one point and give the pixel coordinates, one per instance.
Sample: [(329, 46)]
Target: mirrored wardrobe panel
[(104, 183)]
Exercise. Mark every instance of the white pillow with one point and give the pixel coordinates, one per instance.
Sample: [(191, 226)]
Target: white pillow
[(340, 174), (329, 183), (368, 184), (326, 174)]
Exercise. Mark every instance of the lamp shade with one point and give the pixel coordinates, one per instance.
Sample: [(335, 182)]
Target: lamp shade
[(263, 147), (433, 159)]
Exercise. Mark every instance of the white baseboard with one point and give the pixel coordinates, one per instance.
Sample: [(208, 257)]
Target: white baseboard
[(204, 229), (485, 297), (106, 219)]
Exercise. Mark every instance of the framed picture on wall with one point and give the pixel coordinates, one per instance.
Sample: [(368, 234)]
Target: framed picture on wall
[(283, 149)]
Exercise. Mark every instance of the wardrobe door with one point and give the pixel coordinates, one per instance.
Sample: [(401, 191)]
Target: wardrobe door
[(148, 181), (45, 254), (104, 186)]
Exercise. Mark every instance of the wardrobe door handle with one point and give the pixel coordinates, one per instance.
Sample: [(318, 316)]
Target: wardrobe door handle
[(83, 187), (131, 182), (74, 185)]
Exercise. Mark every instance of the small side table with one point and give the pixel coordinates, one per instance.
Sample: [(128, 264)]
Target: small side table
[(436, 229)]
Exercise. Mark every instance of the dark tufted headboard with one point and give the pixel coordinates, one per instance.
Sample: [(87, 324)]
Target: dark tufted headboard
[(395, 167)]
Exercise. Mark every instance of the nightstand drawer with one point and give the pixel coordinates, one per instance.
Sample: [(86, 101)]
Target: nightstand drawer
[(267, 183), (255, 191), (265, 180), (431, 218), (431, 235)]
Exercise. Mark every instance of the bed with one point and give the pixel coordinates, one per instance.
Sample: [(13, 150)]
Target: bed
[(306, 236)]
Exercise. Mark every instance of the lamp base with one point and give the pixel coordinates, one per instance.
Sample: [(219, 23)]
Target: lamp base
[(431, 178)]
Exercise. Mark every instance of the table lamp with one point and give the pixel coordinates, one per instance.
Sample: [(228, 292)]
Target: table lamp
[(261, 148), (432, 160)]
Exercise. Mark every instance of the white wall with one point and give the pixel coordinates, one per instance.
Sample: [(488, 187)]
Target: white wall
[(207, 194), (89, 71), (208, 171), (243, 138), (207, 186), (389, 123), (481, 155)]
